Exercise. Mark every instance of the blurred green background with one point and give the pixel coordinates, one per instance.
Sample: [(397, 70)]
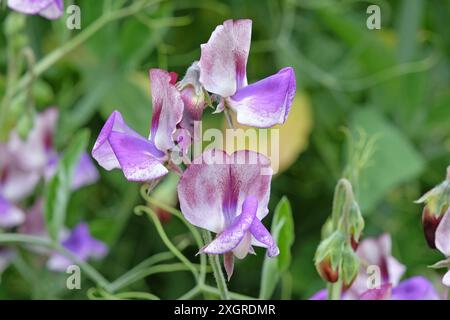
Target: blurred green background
[(393, 83)]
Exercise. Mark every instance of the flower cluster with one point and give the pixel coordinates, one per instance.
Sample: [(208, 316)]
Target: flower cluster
[(24, 164), (225, 194)]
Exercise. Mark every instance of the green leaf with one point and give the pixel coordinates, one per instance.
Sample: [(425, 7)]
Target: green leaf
[(282, 231), (58, 189), (394, 162)]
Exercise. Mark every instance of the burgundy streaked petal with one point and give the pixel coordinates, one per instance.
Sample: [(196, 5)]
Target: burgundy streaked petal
[(267, 102), (167, 109), (223, 58), (10, 215), (235, 232), (136, 157), (443, 234)]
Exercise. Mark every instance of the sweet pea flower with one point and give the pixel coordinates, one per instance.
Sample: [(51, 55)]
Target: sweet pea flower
[(81, 244), (443, 242), (223, 63), (377, 251), (50, 9), (120, 147), (228, 195)]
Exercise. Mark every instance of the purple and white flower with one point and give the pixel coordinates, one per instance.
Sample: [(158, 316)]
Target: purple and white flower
[(228, 196), (223, 64), (120, 147), (50, 9)]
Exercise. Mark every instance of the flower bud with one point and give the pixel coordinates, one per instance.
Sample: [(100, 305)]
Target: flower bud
[(430, 222), (329, 255), (356, 224)]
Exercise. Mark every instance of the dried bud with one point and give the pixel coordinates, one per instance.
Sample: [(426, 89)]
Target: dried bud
[(329, 256)]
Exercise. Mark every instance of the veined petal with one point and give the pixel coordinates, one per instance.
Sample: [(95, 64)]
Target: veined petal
[(223, 59), (235, 232), (443, 235), (136, 157), (10, 215), (167, 109), (264, 237), (29, 6), (53, 11), (415, 288), (267, 102), (81, 244)]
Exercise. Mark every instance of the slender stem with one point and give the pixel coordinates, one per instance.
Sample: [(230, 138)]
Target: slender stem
[(191, 293), (93, 274), (154, 217), (334, 290), (217, 269)]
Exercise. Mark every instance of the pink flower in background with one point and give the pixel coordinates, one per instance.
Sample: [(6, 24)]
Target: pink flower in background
[(227, 195), (10, 215), (50, 9), (120, 147), (223, 64)]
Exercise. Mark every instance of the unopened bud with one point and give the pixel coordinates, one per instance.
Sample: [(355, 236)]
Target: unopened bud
[(356, 224), (329, 255), (430, 222)]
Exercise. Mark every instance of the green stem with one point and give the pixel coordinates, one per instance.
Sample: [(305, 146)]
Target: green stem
[(217, 269), (93, 274), (232, 295), (334, 290), (154, 217)]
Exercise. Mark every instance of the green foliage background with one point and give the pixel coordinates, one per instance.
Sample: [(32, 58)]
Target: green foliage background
[(393, 83)]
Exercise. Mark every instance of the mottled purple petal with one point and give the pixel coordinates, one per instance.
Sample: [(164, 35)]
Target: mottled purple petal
[(136, 158), (264, 237), (53, 11), (267, 102), (10, 215), (415, 288), (29, 6), (81, 244), (383, 293), (235, 232), (223, 59), (167, 109), (443, 234), (214, 187)]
